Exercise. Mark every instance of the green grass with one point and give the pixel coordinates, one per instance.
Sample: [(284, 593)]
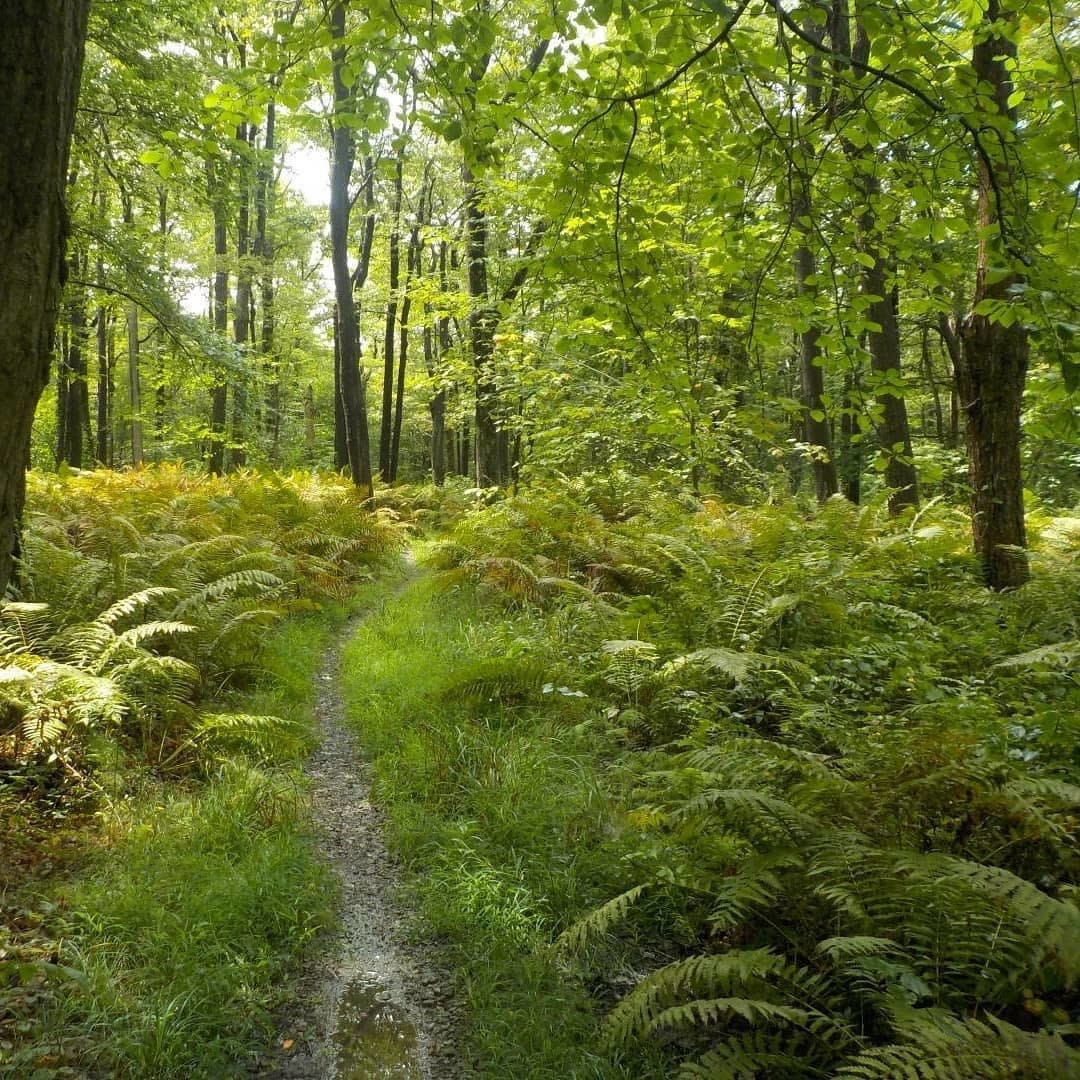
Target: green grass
[(179, 934), (501, 818)]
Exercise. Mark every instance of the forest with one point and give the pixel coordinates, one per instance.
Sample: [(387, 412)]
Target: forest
[(633, 447)]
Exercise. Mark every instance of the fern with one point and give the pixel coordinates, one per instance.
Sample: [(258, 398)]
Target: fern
[(942, 1047)]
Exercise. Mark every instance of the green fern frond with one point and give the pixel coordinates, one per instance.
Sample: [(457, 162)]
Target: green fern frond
[(495, 679), (130, 604), (1061, 655), (942, 1047), (598, 922), (759, 1054), (708, 1011), (24, 626), (269, 737), (725, 973), (856, 946)]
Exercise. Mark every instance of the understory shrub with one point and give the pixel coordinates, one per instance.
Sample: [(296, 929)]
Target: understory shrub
[(852, 844)]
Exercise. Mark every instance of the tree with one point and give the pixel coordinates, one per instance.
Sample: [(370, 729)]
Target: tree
[(42, 44)]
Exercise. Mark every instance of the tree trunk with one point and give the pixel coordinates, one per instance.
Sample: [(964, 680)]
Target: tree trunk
[(41, 56), (993, 357), (817, 432), (386, 468), (103, 443), (490, 467), (264, 252), (134, 385), (353, 397), (76, 400), (220, 391), (242, 309)]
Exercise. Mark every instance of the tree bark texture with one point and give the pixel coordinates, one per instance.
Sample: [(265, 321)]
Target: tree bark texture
[(41, 55), (993, 358), (353, 398)]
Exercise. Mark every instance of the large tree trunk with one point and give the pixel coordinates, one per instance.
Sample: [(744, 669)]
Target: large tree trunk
[(41, 56), (993, 357), (353, 397)]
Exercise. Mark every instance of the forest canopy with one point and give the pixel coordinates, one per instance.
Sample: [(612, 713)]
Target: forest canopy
[(821, 247)]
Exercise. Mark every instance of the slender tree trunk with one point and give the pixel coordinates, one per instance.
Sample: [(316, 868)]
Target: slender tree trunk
[(489, 464), (242, 309), (220, 391), (353, 394), (76, 400), (264, 252), (104, 381), (134, 384), (994, 356), (816, 429), (386, 468)]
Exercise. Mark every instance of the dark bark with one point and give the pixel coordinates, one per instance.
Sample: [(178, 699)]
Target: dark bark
[(41, 56), (75, 423), (353, 395), (993, 358), (103, 442), (263, 250), (220, 314), (242, 309), (891, 422), (816, 430), (341, 444), (491, 466), (386, 426)]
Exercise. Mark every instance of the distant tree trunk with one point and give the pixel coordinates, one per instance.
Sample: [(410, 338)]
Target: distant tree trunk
[(134, 386), (490, 466), (242, 310), (220, 391), (76, 399), (403, 348), (309, 424), (437, 344), (816, 429), (353, 395), (41, 55), (994, 356), (893, 431), (927, 357), (103, 443), (386, 427), (264, 252)]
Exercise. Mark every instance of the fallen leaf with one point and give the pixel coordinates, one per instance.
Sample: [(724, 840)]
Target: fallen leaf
[(287, 1044)]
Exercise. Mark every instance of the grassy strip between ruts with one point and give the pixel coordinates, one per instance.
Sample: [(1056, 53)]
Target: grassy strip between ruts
[(501, 818), (174, 939)]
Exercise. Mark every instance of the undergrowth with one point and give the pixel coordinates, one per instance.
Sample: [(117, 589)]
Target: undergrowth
[(155, 700), (780, 794)]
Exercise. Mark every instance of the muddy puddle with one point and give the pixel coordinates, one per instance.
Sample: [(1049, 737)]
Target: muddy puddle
[(374, 1039)]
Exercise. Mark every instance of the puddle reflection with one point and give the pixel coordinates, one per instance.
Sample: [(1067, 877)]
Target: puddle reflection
[(375, 1040)]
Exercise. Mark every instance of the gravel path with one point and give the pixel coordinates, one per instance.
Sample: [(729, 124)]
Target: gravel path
[(371, 1004)]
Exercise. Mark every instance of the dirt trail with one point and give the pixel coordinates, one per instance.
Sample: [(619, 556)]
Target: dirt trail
[(371, 1004)]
